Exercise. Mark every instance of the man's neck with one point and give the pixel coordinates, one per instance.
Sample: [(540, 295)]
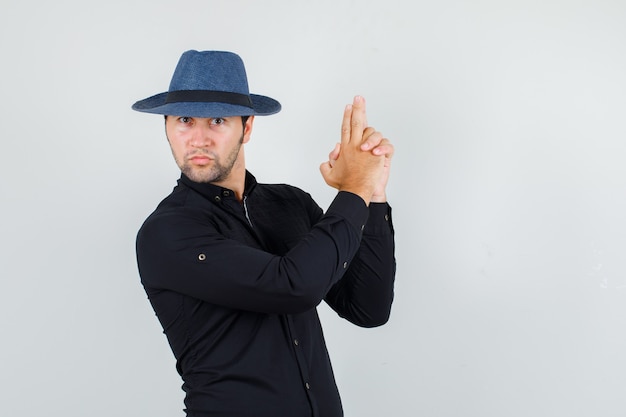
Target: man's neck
[(236, 180)]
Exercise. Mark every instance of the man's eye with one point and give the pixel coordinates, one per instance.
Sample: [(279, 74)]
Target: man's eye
[(218, 121), (185, 119)]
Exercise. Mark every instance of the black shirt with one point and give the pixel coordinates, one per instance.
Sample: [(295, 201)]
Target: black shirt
[(235, 286)]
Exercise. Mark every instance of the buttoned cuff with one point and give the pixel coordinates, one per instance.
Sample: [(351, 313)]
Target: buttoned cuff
[(379, 221), (350, 207)]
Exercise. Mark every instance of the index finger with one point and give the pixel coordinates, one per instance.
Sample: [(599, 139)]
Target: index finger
[(345, 125), (358, 122)]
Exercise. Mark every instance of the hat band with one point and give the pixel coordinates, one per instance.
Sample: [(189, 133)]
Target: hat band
[(208, 96)]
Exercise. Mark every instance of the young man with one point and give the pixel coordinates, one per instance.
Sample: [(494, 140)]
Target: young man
[(234, 269)]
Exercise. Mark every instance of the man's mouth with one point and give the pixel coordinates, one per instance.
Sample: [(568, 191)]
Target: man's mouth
[(200, 159)]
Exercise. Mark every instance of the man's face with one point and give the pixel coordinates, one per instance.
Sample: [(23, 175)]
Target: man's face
[(207, 149)]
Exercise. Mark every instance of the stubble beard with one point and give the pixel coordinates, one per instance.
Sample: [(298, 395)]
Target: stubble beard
[(217, 171)]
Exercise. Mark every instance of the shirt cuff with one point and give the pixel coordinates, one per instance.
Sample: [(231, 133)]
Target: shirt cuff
[(379, 221), (351, 207)]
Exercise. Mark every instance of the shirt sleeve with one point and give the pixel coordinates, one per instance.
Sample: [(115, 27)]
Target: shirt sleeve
[(182, 253), (365, 293)]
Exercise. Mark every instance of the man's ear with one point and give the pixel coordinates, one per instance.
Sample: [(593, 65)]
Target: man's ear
[(247, 129)]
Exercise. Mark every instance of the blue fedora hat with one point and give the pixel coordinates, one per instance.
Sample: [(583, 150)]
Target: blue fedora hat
[(209, 84)]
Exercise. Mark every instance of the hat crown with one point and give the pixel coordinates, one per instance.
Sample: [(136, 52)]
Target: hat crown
[(210, 71), (209, 84)]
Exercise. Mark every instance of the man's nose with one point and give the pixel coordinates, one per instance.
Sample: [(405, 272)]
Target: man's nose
[(200, 137)]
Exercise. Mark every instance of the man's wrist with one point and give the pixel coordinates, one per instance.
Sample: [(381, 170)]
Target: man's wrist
[(379, 198)]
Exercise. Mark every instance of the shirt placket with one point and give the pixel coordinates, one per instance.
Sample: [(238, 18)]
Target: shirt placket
[(227, 201)]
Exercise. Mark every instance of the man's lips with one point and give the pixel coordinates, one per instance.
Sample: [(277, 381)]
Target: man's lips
[(200, 159)]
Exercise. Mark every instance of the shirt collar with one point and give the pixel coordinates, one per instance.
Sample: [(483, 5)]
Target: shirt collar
[(210, 190)]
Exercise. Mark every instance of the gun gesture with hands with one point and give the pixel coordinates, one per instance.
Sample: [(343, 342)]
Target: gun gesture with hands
[(360, 164)]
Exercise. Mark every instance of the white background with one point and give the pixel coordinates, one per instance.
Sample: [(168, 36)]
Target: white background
[(508, 189)]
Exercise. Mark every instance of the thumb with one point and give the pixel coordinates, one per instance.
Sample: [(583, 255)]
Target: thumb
[(325, 169), (334, 154)]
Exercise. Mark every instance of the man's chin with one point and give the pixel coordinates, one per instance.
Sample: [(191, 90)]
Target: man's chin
[(202, 175)]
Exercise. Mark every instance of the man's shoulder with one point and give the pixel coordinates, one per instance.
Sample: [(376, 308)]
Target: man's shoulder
[(183, 197), (181, 202)]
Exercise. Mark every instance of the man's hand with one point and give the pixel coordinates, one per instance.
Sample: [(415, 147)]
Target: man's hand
[(371, 141), (354, 169)]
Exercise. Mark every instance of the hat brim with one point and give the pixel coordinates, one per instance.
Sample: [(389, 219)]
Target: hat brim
[(261, 106)]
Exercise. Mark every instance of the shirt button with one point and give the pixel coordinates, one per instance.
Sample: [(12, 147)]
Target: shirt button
[(345, 265), (386, 217), (218, 198), (307, 385), (226, 193), (201, 257), (295, 342), (362, 226)]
